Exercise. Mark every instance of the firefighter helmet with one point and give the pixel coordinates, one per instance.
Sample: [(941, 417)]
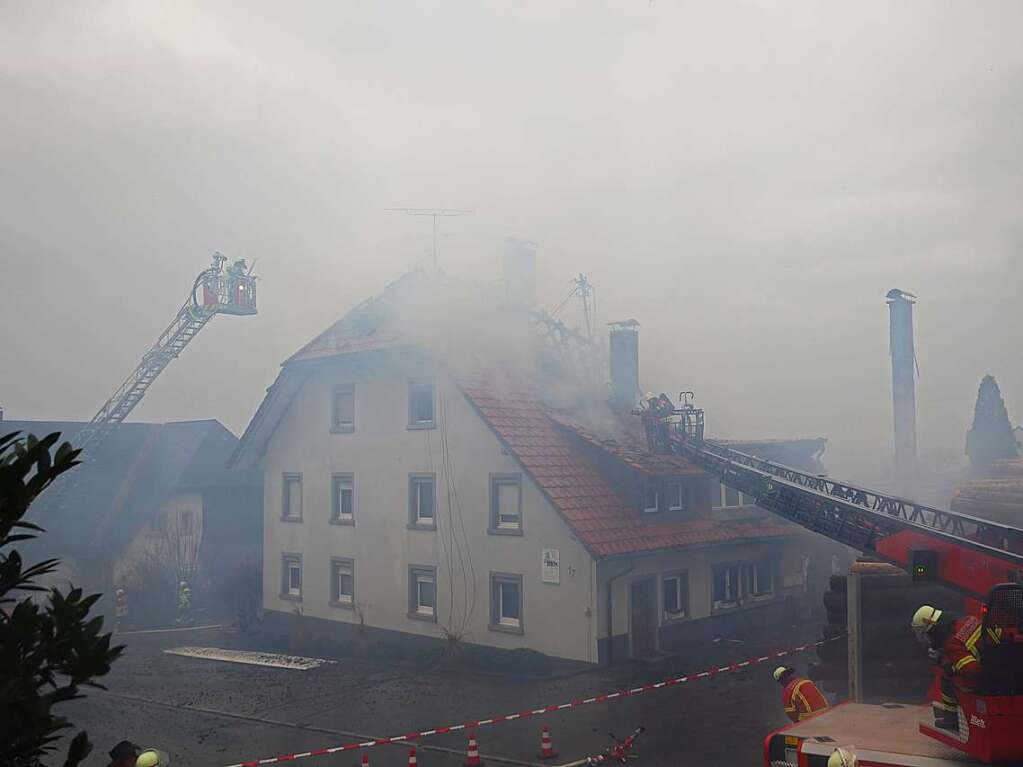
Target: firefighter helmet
[(924, 619), (842, 757), (781, 672), (152, 757)]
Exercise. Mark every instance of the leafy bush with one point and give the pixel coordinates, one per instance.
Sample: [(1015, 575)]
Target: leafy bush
[(49, 648)]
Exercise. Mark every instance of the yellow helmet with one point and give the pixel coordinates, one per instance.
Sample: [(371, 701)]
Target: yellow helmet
[(842, 757), (924, 619), (780, 672), (151, 757)]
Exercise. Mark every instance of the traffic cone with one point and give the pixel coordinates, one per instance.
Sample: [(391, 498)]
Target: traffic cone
[(411, 757), (546, 749), (472, 753)]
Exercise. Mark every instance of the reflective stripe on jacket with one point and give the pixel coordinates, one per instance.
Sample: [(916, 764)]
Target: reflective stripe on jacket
[(962, 648), (802, 698)]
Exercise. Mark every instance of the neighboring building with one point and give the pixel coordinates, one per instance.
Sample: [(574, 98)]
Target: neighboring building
[(153, 497), (415, 503)]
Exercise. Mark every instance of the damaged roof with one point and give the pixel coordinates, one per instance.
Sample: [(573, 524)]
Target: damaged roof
[(597, 515)]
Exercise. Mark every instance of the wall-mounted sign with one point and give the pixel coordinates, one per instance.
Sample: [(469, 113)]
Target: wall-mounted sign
[(551, 567)]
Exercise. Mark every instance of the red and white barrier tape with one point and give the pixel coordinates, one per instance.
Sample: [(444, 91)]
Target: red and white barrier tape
[(411, 736)]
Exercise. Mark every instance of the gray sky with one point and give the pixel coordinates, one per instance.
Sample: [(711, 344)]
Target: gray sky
[(746, 179)]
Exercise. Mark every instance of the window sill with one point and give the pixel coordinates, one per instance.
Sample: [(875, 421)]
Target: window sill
[(670, 620), (297, 520), (291, 597), (342, 429), (343, 522), (420, 526), (422, 617), (500, 627), (761, 597), (342, 605), (505, 531), (422, 425), (723, 607)]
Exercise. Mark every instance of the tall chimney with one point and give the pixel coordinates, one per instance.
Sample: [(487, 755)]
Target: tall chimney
[(900, 347), (624, 363), (520, 273)]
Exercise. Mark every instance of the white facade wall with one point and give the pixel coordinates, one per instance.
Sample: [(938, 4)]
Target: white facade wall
[(165, 538), (381, 453), (699, 564)]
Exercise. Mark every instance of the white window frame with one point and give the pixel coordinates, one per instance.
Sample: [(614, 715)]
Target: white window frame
[(676, 496), (649, 486), (505, 523), (291, 563), (719, 500), (337, 426), (681, 580), (735, 574), (287, 513), (415, 483), (341, 566), (414, 422), (498, 620), (338, 482), (753, 588), (418, 575)]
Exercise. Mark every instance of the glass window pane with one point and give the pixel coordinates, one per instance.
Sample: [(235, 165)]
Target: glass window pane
[(427, 593), (344, 408), (294, 495), (422, 402), (671, 595), (675, 494), (424, 499), (650, 497), (510, 600), (507, 503), (731, 497)]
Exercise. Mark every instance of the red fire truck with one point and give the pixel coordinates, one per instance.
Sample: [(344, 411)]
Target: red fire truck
[(982, 560)]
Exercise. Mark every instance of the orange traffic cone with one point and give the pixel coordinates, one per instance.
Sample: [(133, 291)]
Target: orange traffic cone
[(411, 757), (472, 753), (546, 749)]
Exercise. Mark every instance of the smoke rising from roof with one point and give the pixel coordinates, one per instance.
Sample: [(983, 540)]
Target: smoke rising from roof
[(746, 179)]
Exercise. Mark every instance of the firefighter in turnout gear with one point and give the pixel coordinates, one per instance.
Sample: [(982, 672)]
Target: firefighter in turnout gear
[(800, 696), (954, 645)]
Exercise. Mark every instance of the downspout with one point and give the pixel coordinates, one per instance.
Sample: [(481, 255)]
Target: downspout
[(610, 611)]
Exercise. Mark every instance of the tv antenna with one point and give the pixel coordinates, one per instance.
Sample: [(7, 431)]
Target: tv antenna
[(433, 213)]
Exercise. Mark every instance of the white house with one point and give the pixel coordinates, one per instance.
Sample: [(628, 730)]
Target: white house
[(420, 504)]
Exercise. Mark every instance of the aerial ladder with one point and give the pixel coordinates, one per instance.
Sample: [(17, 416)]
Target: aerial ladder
[(219, 289), (980, 559)]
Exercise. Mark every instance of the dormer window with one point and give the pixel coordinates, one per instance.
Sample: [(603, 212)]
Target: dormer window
[(675, 496), (651, 498)]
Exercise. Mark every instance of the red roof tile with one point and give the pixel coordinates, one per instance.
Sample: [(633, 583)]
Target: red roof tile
[(596, 513)]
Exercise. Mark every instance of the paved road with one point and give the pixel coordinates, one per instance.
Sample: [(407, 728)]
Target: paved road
[(168, 701)]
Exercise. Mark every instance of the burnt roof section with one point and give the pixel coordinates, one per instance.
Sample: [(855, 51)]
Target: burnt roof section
[(596, 514)]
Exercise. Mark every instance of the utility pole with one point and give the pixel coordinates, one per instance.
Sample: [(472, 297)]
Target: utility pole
[(432, 213)]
